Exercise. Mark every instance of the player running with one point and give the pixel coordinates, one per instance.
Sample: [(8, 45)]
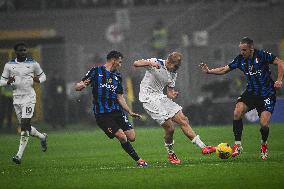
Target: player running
[(20, 74), (160, 74), (109, 103), (260, 92)]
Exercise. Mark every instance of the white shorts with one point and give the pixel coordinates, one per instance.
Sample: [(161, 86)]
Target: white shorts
[(24, 110), (161, 109)]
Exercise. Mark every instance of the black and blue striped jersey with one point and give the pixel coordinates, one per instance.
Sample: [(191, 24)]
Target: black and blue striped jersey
[(257, 72), (106, 85)]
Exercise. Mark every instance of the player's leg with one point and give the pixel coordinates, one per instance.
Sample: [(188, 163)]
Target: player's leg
[(112, 126), (240, 109), (127, 128), (265, 109), (24, 135), (169, 129), (264, 130), (128, 148), (28, 111), (182, 120)]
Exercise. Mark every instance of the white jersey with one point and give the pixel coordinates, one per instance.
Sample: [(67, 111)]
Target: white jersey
[(155, 80), (24, 72)]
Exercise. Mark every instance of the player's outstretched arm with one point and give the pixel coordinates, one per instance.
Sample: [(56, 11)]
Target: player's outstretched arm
[(82, 84), (280, 69), (216, 71), (143, 63), (122, 102)]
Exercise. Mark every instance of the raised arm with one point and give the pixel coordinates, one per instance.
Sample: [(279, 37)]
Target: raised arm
[(280, 69), (143, 63), (122, 102), (217, 71)]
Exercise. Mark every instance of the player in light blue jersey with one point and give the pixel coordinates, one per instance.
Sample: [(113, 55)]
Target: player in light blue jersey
[(21, 73)]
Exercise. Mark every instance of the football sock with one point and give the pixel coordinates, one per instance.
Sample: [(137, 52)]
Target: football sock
[(130, 150), (238, 129), (170, 147), (35, 133), (23, 143), (196, 140), (264, 134)]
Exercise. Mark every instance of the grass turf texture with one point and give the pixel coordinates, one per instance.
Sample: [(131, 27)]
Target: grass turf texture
[(87, 159)]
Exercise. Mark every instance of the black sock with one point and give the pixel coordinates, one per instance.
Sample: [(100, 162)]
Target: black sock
[(264, 133), (238, 129), (130, 150)]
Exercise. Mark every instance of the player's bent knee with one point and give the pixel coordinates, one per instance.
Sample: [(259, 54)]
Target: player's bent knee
[(26, 125)]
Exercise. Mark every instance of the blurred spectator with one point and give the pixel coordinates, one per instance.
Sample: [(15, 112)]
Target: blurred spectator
[(159, 39), (6, 104)]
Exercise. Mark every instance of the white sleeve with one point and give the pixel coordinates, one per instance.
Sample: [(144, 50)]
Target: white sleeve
[(39, 72), (5, 75), (151, 60)]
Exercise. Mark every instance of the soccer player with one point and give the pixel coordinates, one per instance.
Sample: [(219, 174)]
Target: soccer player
[(21, 73), (109, 103), (260, 92), (160, 74)]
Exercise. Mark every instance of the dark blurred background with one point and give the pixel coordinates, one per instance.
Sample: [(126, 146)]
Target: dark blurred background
[(68, 37)]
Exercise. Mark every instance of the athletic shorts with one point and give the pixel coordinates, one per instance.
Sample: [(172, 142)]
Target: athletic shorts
[(161, 109), (24, 110), (258, 102), (110, 123)]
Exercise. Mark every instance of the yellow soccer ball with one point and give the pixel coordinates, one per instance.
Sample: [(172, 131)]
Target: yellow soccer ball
[(224, 151)]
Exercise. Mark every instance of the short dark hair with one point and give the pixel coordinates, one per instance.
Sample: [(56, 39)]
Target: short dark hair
[(114, 54), (247, 40), (20, 44)]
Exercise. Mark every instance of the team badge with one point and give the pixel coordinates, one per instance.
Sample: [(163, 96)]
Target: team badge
[(109, 80)]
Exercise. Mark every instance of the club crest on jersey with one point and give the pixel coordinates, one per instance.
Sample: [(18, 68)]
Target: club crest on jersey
[(256, 60), (109, 80)]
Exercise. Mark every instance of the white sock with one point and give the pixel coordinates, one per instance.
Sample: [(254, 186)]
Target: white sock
[(23, 143), (263, 142), (170, 147), (198, 142), (238, 143), (35, 133)]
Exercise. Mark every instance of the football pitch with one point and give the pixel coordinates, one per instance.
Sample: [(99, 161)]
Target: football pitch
[(88, 159)]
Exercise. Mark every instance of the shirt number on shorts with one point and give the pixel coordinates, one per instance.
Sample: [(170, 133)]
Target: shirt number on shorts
[(29, 110), (267, 101)]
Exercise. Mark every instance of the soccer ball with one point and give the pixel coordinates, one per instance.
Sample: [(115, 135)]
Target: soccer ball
[(224, 151)]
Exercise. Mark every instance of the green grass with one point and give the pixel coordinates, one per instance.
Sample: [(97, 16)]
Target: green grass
[(88, 159)]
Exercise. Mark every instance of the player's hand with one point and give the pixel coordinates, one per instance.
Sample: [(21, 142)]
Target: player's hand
[(278, 84), (87, 81), (135, 115), (204, 67), (173, 95), (11, 80), (36, 79), (155, 65)]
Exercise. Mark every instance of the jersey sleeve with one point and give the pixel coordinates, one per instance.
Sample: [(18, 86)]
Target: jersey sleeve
[(37, 69), (88, 74), (235, 63), (267, 57), (155, 60), (5, 75), (119, 89)]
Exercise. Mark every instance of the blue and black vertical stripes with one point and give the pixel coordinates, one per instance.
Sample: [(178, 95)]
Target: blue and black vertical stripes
[(257, 72), (106, 85)]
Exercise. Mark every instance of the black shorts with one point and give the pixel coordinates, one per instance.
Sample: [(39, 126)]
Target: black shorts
[(110, 123), (258, 102)]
